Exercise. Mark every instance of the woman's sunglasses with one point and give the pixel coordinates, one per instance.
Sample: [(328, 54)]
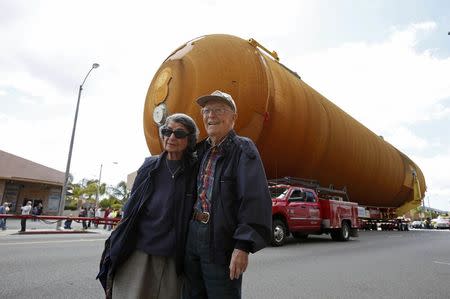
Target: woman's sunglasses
[(178, 133)]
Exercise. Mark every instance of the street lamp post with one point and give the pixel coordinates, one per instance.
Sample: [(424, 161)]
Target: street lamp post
[(69, 158), (97, 195), (98, 187)]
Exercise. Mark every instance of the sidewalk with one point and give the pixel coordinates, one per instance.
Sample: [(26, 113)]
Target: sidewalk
[(39, 227)]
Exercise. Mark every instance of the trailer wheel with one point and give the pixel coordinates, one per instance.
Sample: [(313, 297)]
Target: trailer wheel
[(278, 233)]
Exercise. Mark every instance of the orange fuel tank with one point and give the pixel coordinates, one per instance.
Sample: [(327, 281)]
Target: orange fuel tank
[(297, 131)]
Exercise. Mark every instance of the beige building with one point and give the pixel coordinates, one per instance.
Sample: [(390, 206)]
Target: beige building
[(22, 180), (130, 180)]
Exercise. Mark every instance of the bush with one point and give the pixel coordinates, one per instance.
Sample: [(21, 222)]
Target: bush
[(71, 205), (116, 206)]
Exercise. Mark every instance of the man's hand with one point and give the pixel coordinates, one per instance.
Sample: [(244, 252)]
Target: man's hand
[(238, 264)]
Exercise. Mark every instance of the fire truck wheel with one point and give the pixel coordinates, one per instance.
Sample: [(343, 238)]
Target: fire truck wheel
[(300, 236), (278, 233), (344, 233), (334, 235)]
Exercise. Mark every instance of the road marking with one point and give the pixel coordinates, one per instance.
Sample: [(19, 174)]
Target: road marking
[(443, 263), (46, 242)]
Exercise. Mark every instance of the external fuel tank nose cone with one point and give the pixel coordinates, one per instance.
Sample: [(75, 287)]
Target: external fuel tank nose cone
[(160, 114)]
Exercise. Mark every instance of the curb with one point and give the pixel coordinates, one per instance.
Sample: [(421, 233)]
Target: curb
[(48, 232), (38, 232)]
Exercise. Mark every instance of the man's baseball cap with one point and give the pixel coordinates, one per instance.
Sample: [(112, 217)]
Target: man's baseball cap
[(218, 96)]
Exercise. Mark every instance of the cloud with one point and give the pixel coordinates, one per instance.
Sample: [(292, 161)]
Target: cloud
[(36, 140), (437, 169), (440, 112), (49, 47), (390, 86), (407, 139), (409, 36), (383, 84)]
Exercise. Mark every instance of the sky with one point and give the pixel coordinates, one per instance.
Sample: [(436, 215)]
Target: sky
[(386, 63)]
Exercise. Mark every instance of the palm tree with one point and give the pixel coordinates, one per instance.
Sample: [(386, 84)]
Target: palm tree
[(121, 192)]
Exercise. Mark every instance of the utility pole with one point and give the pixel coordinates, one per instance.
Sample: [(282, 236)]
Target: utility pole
[(69, 158), (98, 187)]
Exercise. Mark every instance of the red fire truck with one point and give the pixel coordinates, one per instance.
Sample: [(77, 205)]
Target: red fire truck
[(301, 207)]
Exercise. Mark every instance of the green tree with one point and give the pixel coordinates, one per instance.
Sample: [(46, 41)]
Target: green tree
[(111, 202), (121, 192), (86, 189)]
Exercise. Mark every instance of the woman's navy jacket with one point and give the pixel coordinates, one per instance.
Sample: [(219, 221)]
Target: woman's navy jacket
[(121, 243)]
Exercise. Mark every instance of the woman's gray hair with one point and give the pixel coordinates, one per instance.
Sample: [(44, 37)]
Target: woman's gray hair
[(189, 124)]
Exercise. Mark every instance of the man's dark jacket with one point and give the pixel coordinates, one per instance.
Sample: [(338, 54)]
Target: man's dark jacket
[(241, 208), (121, 243)]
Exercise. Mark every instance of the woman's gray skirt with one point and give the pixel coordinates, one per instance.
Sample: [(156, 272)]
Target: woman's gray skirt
[(147, 276)]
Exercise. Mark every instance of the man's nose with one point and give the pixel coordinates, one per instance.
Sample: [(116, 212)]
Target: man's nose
[(211, 114)]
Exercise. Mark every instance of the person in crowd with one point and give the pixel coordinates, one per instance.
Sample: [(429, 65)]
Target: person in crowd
[(143, 257), (105, 215), (26, 210), (90, 214), (4, 209), (34, 212), (83, 213), (68, 222), (40, 209), (111, 215), (98, 214), (119, 213), (7, 209), (233, 210)]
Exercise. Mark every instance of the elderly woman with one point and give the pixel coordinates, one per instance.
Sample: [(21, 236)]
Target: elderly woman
[(143, 257)]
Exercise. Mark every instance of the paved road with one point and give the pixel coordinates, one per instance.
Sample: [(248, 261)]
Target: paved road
[(413, 264)]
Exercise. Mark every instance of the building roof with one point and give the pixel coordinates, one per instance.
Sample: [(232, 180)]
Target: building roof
[(16, 168), (429, 209)]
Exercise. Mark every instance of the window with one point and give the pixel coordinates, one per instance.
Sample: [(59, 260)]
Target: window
[(278, 192), (297, 195), (310, 197)]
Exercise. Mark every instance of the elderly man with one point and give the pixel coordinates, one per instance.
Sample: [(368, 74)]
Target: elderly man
[(233, 212)]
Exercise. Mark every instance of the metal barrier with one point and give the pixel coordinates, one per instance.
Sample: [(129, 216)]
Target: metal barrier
[(95, 220)]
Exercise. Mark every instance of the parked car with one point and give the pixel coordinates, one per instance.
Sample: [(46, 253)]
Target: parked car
[(417, 224), (442, 223)]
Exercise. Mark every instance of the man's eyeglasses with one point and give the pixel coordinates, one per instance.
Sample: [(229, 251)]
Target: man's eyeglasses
[(216, 111), (178, 133)]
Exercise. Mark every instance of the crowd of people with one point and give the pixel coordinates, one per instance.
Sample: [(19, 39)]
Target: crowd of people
[(96, 216), (101, 214), (26, 209)]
